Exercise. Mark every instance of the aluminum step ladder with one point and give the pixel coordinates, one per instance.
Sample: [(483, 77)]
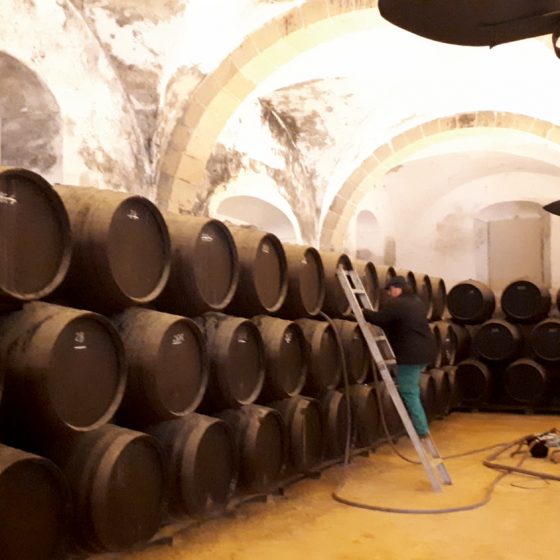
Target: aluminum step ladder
[(383, 356)]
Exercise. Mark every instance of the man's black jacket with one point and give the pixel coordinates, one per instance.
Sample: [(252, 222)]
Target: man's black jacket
[(404, 321)]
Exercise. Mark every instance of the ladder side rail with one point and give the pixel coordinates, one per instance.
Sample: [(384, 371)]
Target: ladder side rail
[(434, 451)]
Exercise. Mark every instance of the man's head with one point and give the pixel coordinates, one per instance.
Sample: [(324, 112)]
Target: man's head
[(396, 286)]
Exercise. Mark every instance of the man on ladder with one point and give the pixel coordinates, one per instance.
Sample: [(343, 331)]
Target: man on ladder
[(403, 318)]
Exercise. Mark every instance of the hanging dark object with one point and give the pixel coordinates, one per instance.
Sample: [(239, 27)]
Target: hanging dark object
[(475, 22), (553, 207)]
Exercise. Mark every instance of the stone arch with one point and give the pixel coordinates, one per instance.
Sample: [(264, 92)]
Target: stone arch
[(182, 169), (401, 147), (30, 120)]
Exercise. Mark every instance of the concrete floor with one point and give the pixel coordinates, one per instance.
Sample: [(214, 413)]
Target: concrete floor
[(521, 521)]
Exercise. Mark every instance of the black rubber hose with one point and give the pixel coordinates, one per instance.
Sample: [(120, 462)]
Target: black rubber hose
[(346, 387), (488, 462)]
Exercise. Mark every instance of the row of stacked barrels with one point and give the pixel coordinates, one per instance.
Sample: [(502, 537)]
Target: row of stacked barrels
[(513, 345), (155, 366)]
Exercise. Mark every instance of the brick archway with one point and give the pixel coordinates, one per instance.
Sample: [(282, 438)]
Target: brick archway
[(182, 177), (396, 151)]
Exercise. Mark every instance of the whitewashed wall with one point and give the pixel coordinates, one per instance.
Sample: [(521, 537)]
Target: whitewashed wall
[(437, 233)]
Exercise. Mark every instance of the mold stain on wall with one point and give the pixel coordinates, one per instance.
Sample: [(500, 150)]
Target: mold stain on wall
[(275, 135), (30, 122), (454, 232), (130, 32)]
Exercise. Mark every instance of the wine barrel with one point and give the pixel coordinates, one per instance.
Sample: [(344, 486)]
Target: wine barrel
[(117, 482), (167, 366), (286, 358), (237, 362), (384, 274), (410, 277), (335, 423), (306, 282), (454, 342), (35, 240), (471, 302), (368, 275), (439, 298), (65, 368), (260, 439), (372, 372), (497, 340), (527, 382), (438, 333), (356, 352), (458, 343), (545, 340), (122, 253), (474, 382), (523, 301), (325, 361), (336, 304), (388, 414), (204, 266), (263, 280), (302, 417), (200, 462), (443, 392), (365, 415), (35, 507), (447, 349), (428, 394), (424, 291), (454, 397)]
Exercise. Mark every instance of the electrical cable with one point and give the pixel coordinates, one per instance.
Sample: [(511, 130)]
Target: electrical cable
[(377, 382), (489, 462), (348, 444), (410, 511)]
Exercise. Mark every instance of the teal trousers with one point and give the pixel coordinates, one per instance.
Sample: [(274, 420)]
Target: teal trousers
[(408, 379)]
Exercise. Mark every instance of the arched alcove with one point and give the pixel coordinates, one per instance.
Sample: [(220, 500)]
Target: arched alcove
[(369, 243), (513, 241), (30, 121), (255, 211)]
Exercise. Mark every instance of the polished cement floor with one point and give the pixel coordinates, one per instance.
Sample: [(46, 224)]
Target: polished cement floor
[(522, 520)]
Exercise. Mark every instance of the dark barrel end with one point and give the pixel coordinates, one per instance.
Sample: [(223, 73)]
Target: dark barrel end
[(200, 460), (139, 249), (525, 301), (471, 302), (117, 479), (35, 514), (204, 266), (35, 240)]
